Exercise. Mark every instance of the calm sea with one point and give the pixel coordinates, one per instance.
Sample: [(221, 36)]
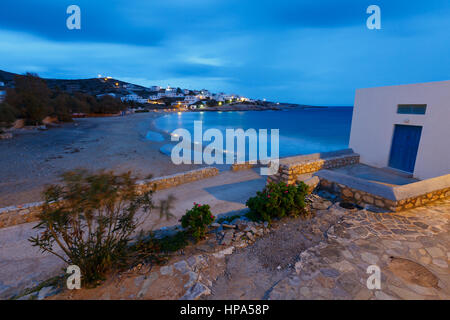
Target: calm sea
[(302, 131)]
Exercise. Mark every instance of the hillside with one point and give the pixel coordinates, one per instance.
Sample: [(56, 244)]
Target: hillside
[(6, 76), (93, 86)]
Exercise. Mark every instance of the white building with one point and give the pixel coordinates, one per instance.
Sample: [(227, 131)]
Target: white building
[(205, 93), (404, 127), (155, 88), (106, 94), (134, 97), (130, 86), (2, 92), (130, 97), (229, 96), (219, 96), (190, 99), (242, 99), (174, 94)]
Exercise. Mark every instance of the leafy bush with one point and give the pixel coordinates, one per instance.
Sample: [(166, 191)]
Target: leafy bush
[(277, 200), (197, 220), (7, 114), (91, 218)]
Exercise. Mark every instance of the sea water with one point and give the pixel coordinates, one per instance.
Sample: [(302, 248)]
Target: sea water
[(301, 131)]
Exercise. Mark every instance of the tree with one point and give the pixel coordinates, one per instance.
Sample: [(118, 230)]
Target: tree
[(34, 101), (108, 104), (30, 97), (92, 217), (7, 114), (86, 103), (62, 106)]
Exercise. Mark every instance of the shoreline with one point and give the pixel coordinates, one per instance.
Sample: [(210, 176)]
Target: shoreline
[(32, 160)]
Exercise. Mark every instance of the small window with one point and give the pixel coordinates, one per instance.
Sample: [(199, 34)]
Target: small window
[(411, 108)]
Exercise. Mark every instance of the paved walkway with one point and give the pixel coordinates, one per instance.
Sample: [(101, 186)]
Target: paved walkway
[(22, 265), (411, 248)]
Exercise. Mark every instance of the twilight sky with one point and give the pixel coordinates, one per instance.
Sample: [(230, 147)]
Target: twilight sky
[(312, 52)]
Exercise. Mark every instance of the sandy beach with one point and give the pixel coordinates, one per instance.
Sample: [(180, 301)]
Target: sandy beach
[(33, 159)]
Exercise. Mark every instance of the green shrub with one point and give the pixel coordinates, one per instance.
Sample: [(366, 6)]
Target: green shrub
[(7, 114), (91, 218), (277, 200), (197, 220)]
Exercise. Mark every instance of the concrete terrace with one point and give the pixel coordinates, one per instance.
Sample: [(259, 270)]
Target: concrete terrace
[(376, 175)]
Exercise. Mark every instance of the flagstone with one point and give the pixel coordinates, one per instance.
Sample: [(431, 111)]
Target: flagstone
[(441, 263), (435, 252)]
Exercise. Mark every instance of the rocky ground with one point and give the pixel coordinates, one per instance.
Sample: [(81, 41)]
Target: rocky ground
[(324, 257)]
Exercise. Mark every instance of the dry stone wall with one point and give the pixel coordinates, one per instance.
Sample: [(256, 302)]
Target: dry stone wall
[(290, 168), (242, 166), (174, 180), (15, 215), (390, 202)]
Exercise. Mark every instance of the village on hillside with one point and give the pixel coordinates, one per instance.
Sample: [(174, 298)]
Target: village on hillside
[(138, 97)]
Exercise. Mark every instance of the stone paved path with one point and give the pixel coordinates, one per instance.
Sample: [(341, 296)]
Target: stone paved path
[(411, 248)]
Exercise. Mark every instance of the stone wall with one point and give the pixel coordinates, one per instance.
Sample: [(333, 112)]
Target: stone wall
[(390, 198), (15, 215), (242, 166), (174, 180), (290, 168)]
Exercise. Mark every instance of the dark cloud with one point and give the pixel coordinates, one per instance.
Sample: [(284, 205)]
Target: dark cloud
[(302, 51), (102, 21), (148, 23)]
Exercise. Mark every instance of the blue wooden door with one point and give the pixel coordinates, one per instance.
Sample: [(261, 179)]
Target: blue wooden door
[(405, 144)]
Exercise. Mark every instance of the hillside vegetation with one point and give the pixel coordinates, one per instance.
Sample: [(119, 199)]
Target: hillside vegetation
[(31, 99)]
